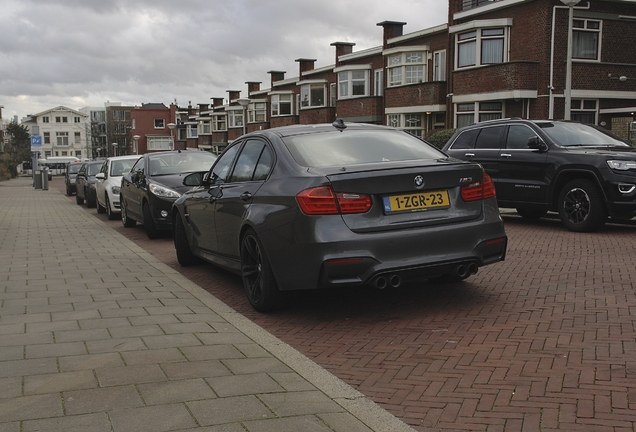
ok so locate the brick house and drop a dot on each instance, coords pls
(150, 123)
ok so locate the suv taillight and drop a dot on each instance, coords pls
(479, 190)
(323, 201)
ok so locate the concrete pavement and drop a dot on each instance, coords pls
(98, 335)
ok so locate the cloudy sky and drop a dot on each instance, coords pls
(80, 53)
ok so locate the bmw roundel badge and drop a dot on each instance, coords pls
(419, 181)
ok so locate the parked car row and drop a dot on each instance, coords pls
(308, 207)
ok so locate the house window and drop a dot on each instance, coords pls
(282, 104)
(205, 127)
(47, 137)
(45, 119)
(378, 82)
(583, 111)
(257, 112)
(439, 65)
(412, 123)
(61, 138)
(159, 143)
(481, 47)
(159, 123)
(406, 68)
(59, 119)
(192, 131)
(119, 115)
(219, 123)
(333, 94)
(182, 134)
(76, 119)
(236, 118)
(484, 111)
(313, 95)
(586, 35)
(353, 83)
(78, 138)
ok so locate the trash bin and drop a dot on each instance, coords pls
(37, 179)
(45, 178)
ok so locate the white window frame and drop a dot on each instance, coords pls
(439, 65)
(61, 138)
(161, 142)
(478, 112)
(77, 119)
(476, 34)
(413, 123)
(192, 130)
(257, 112)
(308, 94)
(205, 127)
(584, 106)
(378, 82)
(78, 137)
(236, 119)
(45, 119)
(586, 26)
(219, 122)
(408, 66)
(333, 94)
(279, 99)
(158, 123)
(349, 83)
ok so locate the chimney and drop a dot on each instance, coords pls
(217, 101)
(253, 86)
(203, 107)
(391, 29)
(276, 76)
(342, 48)
(234, 94)
(305, 65)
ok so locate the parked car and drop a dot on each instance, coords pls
(108, 183)
(154, 183)
(85, 183)
(317, 206)
(583, 172)
(72, 169)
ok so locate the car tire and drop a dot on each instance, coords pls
(185, 257)
(109, 210)
(91, 200)
(258, 279)
(68, 191)
(125, 220)
(531, 213)
(149, 223)
(581, 206)
(78, 199)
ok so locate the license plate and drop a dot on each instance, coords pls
(416, 202)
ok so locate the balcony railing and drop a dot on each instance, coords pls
(471, 4)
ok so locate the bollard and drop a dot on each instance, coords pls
(45, 178)
(37, 179)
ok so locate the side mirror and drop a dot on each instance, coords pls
(100, 176)
(134, 177)
(537, 143)
(194, 179)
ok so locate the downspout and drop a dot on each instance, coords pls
(551, 85)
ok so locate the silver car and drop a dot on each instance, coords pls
(109, 182)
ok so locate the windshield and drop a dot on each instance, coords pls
(74, 168)
(93, 169)
(180, 162)
(577, 134)
(358, 147)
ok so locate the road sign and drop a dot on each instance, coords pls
(36, 141)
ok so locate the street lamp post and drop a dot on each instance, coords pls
(136, 141)
(114, 149)
(171, 126)
(568, 62)
(244, 102)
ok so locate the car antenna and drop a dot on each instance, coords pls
(339, 124)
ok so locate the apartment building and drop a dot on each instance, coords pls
(64, 132)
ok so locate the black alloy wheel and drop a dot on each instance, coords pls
(581, 206)
(258, 279)
(78, 199)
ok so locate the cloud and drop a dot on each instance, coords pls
(86, 52)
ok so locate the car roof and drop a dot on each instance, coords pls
(284, 131)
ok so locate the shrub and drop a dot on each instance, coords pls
(440, 138)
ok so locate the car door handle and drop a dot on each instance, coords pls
(246, 196)
(469, 155)
(506, 155)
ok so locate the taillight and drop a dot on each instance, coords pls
(323, 201)
(479, 190)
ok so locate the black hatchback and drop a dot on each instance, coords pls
(153, 183)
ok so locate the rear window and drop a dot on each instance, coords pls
(353, 147)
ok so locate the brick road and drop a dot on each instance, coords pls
(543, 341)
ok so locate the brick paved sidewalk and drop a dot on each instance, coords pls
(97, 335)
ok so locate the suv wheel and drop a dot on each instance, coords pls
(581, 206)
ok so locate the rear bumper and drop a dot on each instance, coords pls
(332, 255)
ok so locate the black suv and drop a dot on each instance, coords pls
(583, 172)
